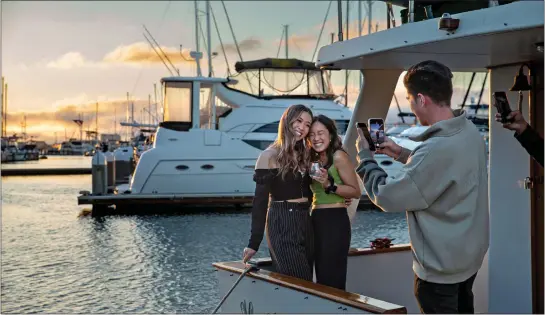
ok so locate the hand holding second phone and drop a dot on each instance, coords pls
(322, 177)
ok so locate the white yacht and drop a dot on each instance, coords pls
(504, 40)
(214, 128)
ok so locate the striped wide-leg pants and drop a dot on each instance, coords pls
(291, 239)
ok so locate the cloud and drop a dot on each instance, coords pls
(82, 98)
(72, 60)
(304, 41)
(248, 44)
(135, 54)
(140, 52)
(44, 124)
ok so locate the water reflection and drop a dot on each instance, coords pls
(53, 261)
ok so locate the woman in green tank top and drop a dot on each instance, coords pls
(334, 182)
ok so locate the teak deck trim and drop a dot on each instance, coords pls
(365, 303)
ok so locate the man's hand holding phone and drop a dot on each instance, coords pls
(389, 148)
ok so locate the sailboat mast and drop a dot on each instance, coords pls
(3, 111)
(96, 122)
(370, 16)
(197, 29)
(360, 26)
(155, 101)
(346, 71)
(209, 38)
(287, 53)
(127, 118)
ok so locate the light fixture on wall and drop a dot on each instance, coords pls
(521, 84)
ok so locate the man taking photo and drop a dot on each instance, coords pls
(443, 187)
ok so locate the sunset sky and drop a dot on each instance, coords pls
(60, 58)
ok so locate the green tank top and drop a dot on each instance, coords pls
(320, 197)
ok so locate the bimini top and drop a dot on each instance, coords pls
(275, 63)
(499, 35)
(193, 79)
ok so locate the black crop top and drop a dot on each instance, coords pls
(270, 182)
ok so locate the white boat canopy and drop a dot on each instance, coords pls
(500, 37)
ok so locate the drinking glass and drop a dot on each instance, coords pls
(314, 169)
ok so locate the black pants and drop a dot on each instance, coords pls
(437, 298)
(332, 234)
(290, 239)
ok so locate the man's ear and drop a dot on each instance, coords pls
(420, 100)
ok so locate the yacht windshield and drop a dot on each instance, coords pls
(275, 82)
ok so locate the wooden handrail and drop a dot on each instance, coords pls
(364, 303)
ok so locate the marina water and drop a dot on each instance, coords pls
(55, 261)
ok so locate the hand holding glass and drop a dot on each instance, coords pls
(314, 169)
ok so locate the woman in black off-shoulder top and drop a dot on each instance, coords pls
(281, 175)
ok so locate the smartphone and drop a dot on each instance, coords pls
(367, 135)
(502, 106)
(376, 129)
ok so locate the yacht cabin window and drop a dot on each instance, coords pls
(275, 83)
(177, 102)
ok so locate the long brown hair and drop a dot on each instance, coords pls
(291, 154)
(335, 143)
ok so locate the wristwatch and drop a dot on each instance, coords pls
(332, 188)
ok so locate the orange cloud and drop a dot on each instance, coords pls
(248, 44)
(43, 125)
(141, 52)
(72, 60)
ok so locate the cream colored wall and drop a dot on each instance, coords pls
(510, 283)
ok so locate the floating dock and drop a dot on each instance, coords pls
(44, 171)
(130, 204)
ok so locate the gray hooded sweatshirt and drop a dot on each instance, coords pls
(443, 187)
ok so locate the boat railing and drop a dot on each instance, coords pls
(298, 295)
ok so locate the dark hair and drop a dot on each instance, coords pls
(334, 145)
(432, 79)
(292, 154)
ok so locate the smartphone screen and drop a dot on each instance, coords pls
(367, 135)
(502, 105)
(376, 129)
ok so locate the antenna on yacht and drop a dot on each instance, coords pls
(157, 53)
(196, 55)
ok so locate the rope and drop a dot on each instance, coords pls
(235, 39)
(149, 49)
(280, 44)
(221, 42)
(321, 31)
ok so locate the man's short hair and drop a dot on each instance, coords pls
(430, 78)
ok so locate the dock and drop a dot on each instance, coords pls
(44, 171)
(138, 204)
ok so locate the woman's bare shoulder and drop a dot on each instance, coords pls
(267, 159)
